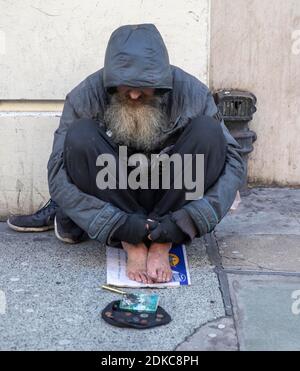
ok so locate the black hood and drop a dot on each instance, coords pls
(136, 55)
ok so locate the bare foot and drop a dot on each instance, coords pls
(158, 266)
(136, 268)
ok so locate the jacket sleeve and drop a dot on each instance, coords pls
(208, 211)
(96, 217)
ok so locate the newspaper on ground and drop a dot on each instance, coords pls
(116, 269)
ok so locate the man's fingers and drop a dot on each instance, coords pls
(151, 224)
(155, 233)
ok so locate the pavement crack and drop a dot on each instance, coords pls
(195, 331)
(215, 258)
(43, 12)
(262, 267)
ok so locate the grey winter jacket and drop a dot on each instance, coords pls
(137, 56)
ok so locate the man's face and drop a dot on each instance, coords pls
(135, 95)
(135, 117)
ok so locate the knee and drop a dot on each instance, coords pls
(81, 134)
(206, 130)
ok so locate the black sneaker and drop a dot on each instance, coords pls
(40, 221)
(66, 230)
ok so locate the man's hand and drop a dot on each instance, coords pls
(166, 230)
(133, 230)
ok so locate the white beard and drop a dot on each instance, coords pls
(138, 126)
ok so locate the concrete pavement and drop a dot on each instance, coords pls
(53, 299)
(244, 296)
(256, 250)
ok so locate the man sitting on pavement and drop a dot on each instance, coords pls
(140, 101)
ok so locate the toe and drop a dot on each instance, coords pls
(160, 275)
(138, 277)
(147, 277)
(131, 276)
(150, 280)
(144, 277)
(166, 277)
(152, 273)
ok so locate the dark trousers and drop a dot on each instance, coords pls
(86, 140)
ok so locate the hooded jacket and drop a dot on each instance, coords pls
(137, 56)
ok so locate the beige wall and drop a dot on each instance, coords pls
(24, 150)
(255, 45)
(48, 47)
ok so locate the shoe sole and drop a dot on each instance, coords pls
(29, 229)
(65, 240)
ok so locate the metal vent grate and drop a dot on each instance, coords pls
(235, 105)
